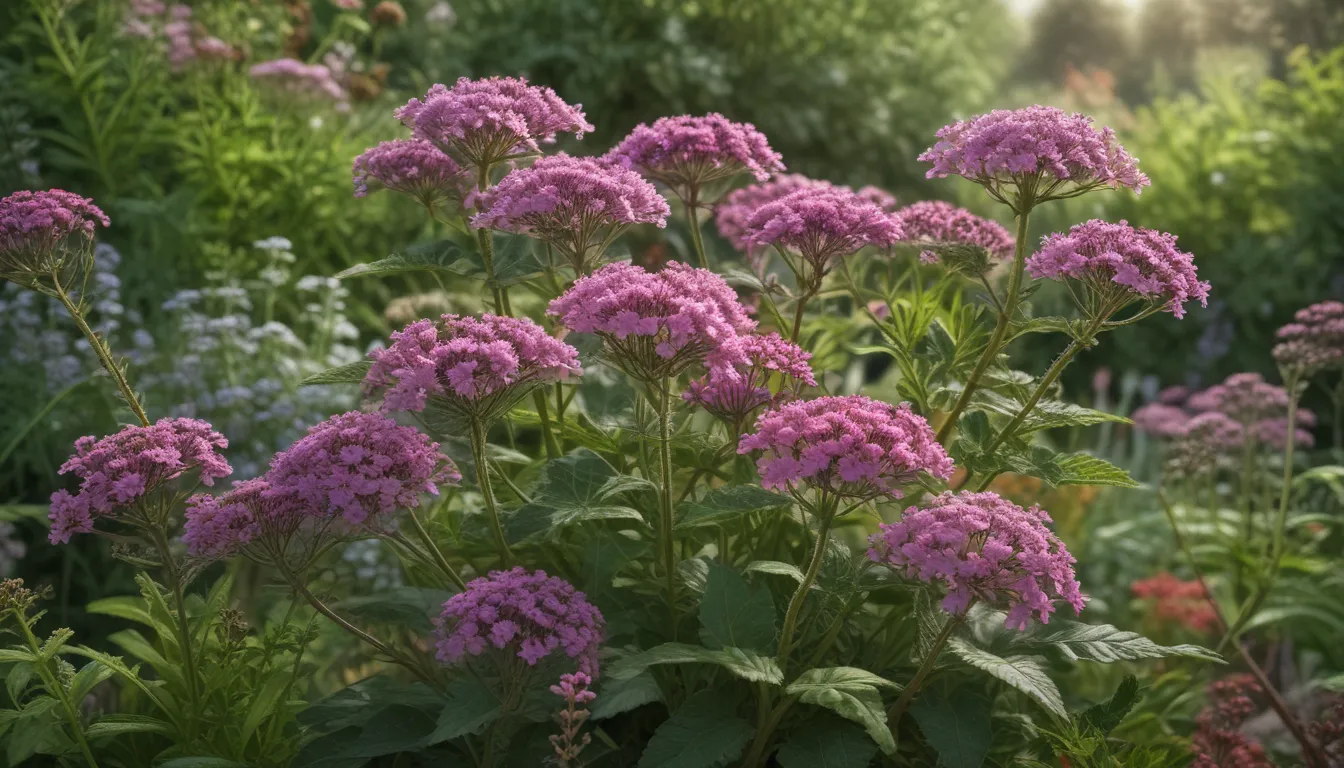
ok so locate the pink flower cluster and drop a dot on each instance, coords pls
(983, 547)
(1180, 602)
(1145, 264)
(469, 359)
(935, 221)
(413, 167)
(1160, 420)
(1314, 341)
(296, 79)
(218, 527)
(117, 471)
(362, 467)
(575, 689)
(578, 205)
(1218, 741)
(775, 371)
(686, 151)
(531, 614)
(1038, 149)
(821, 224)
(851, 446)
(33, 225)
(150, 19)
(732, 213)
(879, 197)
(1215, 421)
(656, 324)
(1257, 406)
(483, 122)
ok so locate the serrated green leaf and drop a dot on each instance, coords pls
(90, 675)
(1046, 414)
(20, 675)
(745, 664)
(733, 614)
(350, 373)
(956, 725)
(851, 693)
(1085, 469)
(471, 706)
(573, 489)
(440, 256)
(109, 726)
(1025, 673)
(827, 742)
(55, 642)
(705, 732)
(728, 503)
(1105, 643)
(617, 696)
(1107, 716)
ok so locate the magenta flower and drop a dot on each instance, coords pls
(413, 167)
(1039, 153)
(1314, 341)
(578, 205)
(983, 547)
(775, 372)
(940, 223)
(118, 471)
(851, 446)
(820, 224)
(485, 122)
(298, 80)
(1160, 420)
(245, 518)
(528, 615)
(686, 152)
(1260, 410)
(1117, 264)
(40, 231)
(478, 367)
(362, 467)
(657, 324)
(731, 213)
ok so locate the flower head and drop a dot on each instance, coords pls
(983, 547)
(851, 446)
(484, 122)
(937, 222)
(657, 324)
(117, 471)
(296, 79)
(775, 371)
(686, 152)
(1184, 603)
(879, 197)
(1246, 398)
(220, 526)
(1160, 420)
(362, 467)
(732, 213)
(1040, 153)
(821, 224)
(413, 167)
(1314, 341)
(1203, 444)
(478, 366)
(578, 205)
(1118, 264)
(529, 615)
(45, 232)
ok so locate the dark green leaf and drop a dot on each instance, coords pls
(744, 664)
(734, 614)
(1105, 643)
(728, 503)
(956, 725)
(201, 762)
(705, 732)
(440, 256)
(851, 693)
(412, 607)
(574, 489)
(470, 708)
(1107, 715)
(827, 742)
(617, 696)
(1025, 673)
(350, 373)
(116, 725)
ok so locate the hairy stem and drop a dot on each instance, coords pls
(55, 688)
(903, 703)
(101, 350)
(189, 671)
(825, 517)
(378, 645)
(478, 446)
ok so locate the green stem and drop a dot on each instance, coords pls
(439, 559)
(693, 218)
(478, 445)
(101, 350)
(996, 340)
(903, 703)
(184, 639)
(665, 504)
(340, 621)
(1048, 380)
(544, 415)
(825, 516)
(55, 688)
(798, 315)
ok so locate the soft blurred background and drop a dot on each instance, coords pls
(232, 205)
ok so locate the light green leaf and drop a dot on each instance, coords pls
(827, 742)
(1105, 643)
(956, 726)
(728, 503)
(734, 614)
(776, 568)
(471, 706)
(11, 655)
(115, 725)
(1085, 469)
(745, 664)
(263, 703)
(350, 373)
(851, 693)
(441, 256)
(1025, 673)
(90, 675)
(123, 607)
(1047, 414)
(705, 732)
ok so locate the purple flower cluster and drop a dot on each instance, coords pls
(1218, 420)
(578, 205)
(483, 122)
(820, 224)
(656, 324)
(1143, 263)
(935, 221)
(531, 614)
(685, 152)
(732, 213)
(879, 197)
(362, 467)
(1042, 151)
(1243, 397)
(1314, 341)
(35, 227)
(467, 360)
(775, 371)
(852, 446)
(296, 79)
(221, 526)
(413, 167)
(1160, 420)
(117, 471)
(983, 547)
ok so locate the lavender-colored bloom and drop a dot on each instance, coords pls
(657, 324)
(732, 213)
(686, 152)
(1040, 153)
(1314, 341)
(117, 471)
(413, 167)
(1160, 420)
(1207, 440)
(218, 527)
(528, 615)
(1119, 264)
(476, 366)
(1244, 397)
(821, 224)
(775, 373)
(362, 467)
(879, 197)
(851, 446)
(484, 122)
(938, 222)
(578, 205)
(983, 547)
(39, 231)
(295, 78)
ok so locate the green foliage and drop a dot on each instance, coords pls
(703, 733)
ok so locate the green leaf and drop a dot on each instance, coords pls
(11, 655)
(137, 646)
(728, 503)
(734, 614)
(55, 642)
(201, 762)
(350, 373)
(617, 696)
(956, 726)
(12, 513)
(1105, 643)
(1085, 469)
(440, 256)
(356, 704)
(776, 568)
(1025, 673)
(705, 732)
(123, 607)
(470, 708)
(16, 682)
(745, 664)
(1107, 716)
(412, 607)
(827, 742)
(108, 726)
(90, 675)
(1041, 325)
(573, 489)
(263, 703)
(851, 693)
